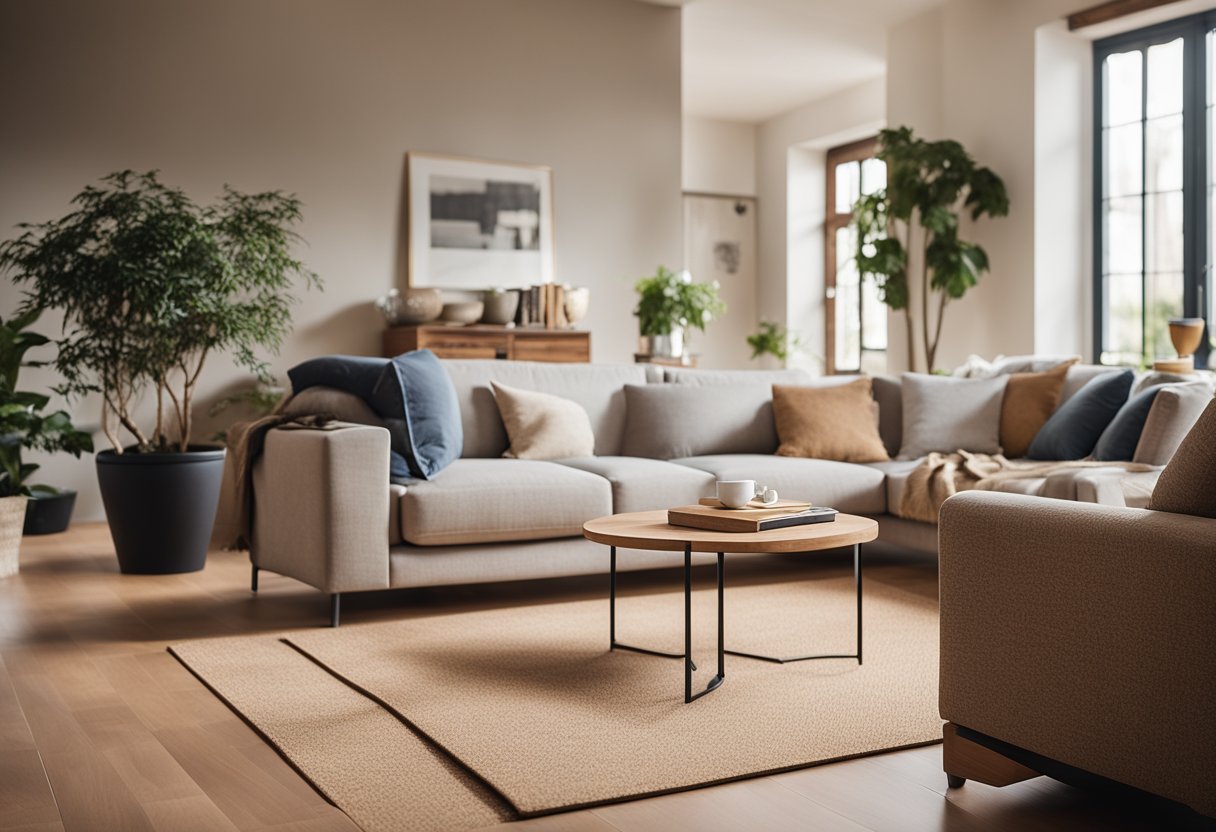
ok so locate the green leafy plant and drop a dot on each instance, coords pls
(773, 339)
(151, 284)
(929, 184)
(22, 423)
(667, 301)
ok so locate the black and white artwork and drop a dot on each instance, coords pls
(477, 225)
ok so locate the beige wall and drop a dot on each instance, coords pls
(323, 98)
(719, 156)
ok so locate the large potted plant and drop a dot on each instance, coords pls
(669, 304)
(151, 285)
(24, 426)
(929, 186)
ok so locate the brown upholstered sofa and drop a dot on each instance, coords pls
(1077, 641)
(325, 513)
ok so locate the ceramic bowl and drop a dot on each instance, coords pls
(500, 306)
(463, 312)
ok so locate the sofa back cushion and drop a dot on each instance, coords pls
(668, 421)
(793, 375)
(598, 388)
(889, 394)
(947, 414)
(1175, 410)
(1079, 375)
(1188, 483)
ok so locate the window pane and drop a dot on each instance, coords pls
(1122, 88)
(1163, 232)
(848, 303)
(1122, 342)
(1164, 295)
(1123, 160)
(1164, 79)
(873, 175)
(1163, 154)
(874, 318)
(848, 186)
(1122, 237)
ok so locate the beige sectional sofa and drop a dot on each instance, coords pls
(325, 513)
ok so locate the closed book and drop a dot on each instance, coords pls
(712, 519)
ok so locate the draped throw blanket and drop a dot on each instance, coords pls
(939, 476)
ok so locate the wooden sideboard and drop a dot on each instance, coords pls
(485, 341)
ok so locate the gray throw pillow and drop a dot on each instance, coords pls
(668, 421)
(947, 414)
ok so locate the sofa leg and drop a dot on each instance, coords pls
(965, 760)
(253, 580)
(335, 605)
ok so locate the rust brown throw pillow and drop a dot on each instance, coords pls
(1188, 483)
(835, 422)
(1030, 399)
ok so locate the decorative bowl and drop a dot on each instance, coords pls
(500, 306)
(462, 312)
(416, 306)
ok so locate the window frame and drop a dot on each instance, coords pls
(1193, 30)
(833, 221)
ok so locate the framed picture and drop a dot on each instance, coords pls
(475, 224)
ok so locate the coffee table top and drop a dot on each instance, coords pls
(650, 530)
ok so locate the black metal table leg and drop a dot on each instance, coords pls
(689, 667)
(613, 644)
(857, 655)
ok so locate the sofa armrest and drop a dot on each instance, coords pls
(1083, 633)
(321, 507)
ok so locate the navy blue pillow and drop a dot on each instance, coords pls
(1074, 429)
(355, 374)
(415, 398)
(1118, 442)
(352, 373)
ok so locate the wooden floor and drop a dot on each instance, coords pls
(101, 729)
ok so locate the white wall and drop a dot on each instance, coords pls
(324, 99)
(790, 168)
(719, 156)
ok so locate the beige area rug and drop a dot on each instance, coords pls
(404, 725)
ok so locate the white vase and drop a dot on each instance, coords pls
(663, 346)
(12, 518)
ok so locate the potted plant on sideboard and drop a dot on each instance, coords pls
(150, 285)
(24, 426)
(668, 305)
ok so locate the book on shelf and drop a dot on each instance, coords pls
(718, 519)
(542, 306)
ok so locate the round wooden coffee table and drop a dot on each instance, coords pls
(650, 530)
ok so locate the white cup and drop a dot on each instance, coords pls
(736, 493)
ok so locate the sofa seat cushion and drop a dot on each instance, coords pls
(646, 484)
(896, 472)
(498, 500)
(845, 486)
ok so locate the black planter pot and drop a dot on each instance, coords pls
(161, 507)
(49, 513)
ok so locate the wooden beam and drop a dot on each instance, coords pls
(1111, 10)
(965, 760)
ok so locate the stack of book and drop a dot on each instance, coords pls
(543, 307)
(712, 516)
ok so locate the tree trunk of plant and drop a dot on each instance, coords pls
(937, 334)
(924, 302)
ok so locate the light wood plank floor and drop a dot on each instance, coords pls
(101, 729)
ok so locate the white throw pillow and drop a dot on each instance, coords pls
(947, 414)
(543, 426)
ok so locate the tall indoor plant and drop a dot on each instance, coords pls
(668, 305)
(929, 185)
(150, 284)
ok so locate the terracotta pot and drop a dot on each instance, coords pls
(1187, 334)
(12, 518)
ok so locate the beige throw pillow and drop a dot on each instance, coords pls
(828, 422)
(543, 426)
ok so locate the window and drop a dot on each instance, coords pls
(1153, 191)
(856, 317)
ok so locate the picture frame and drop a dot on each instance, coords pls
(474, 224)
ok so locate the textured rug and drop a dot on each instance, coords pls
(460, 721)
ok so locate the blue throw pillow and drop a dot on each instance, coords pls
(1074, 429)
(416, 399)
(355, 374)
(351, 373)
(1118, 442)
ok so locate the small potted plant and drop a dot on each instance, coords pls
(151, 285)
(668, 305)
(773, 343)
